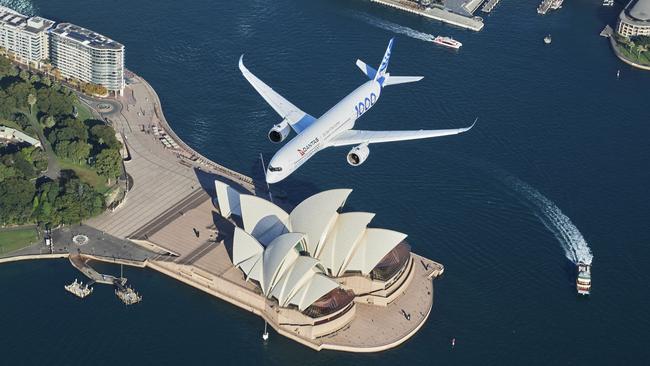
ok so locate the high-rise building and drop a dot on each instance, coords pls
(634, 20)
(25, 38)
(87, 56)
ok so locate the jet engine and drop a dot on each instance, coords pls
(279, 132)
(358, 155)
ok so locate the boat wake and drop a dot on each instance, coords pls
(393, 27)
(22, 6)
(575, 247)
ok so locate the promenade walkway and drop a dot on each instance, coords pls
(162, 179)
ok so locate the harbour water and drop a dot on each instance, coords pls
(553, 116)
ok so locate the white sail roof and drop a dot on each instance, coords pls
(374, 246)
(337, 242)
(263, 219)
(301, 272)
(342, 240)
(318, 286)
(278, 257)
(246, 253)
(228, 199)
(315, 216)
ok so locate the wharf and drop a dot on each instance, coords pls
(435, 12)
(81, 263)
(489, 6)
(546, 5)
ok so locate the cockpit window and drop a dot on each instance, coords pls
(275, 169)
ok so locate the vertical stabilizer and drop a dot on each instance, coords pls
(381, 71)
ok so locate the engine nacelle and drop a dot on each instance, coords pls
(358, 155)
(279, 132)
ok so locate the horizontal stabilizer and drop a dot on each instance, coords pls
(394, 80)
(368, 70)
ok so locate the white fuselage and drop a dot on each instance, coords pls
(317, 136)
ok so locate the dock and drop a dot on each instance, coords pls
(81, 263)
(547, 5)
(128, 295)
(436, 13)
(79, 289)
(489, 5)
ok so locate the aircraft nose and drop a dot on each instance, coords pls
(272, 177)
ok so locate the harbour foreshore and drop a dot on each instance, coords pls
(168, 202)
(440, 14)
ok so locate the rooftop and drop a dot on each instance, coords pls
(86, 37)
(33, 25)
(640, 10)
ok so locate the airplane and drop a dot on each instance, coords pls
(335, 127)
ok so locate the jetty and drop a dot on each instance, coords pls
(81, 263)
(436, 12)
(547, 5)
(489, 6)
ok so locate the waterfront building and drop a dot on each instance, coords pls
(315, 263)
(25, 39)
(634, 20)
(87, 56)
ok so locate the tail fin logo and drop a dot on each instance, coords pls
(384, 62)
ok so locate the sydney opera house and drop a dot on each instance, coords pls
(316, 264)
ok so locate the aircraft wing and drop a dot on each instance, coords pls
(298, 120)
(353, 137)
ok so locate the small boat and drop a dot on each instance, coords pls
(583, 282)
(548, 39)
(618, 74)
(447, 42)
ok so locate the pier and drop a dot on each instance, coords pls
(489, 6)
(81, 263)
(546, 5)
(436, 12)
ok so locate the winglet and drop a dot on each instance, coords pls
(470, 127)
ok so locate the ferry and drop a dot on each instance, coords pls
(583, 282)
(447, 42)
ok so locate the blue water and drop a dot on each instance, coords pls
(554, 117)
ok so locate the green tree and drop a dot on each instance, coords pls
(24, 75)
(6, 172)
(108, 163)
(104, 136)
(48, 121)
(16, 196)
(31, 100)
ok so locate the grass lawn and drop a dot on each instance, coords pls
(643, 58)
(87, 175)
(14, 239)
(83, 111)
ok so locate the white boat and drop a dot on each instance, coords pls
(583, 282)
(447, 42)
(548, 39)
